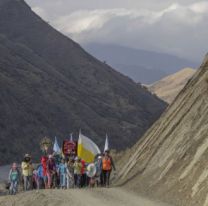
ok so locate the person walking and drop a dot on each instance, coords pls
(77, 172)
(44, 160)
(70, 174)
(27, 171)
(14, 177)
(83, 174)
(107, 165)
(98, 165)
(62, 170)
(51, 171)
(39, 177)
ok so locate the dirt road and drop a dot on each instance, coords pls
(83, 197)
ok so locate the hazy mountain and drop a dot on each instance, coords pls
(169, 87)
(142, 66)
(170, 161)
(51, 86)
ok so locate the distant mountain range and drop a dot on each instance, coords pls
(140, 65)
(51, 86)
(169, 87)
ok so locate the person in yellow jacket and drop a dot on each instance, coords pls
(77, 172)
(27, 172)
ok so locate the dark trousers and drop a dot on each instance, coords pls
(84, 180)
(77, 180)
(106, 177)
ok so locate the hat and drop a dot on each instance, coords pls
(27, 155)
(91, 170)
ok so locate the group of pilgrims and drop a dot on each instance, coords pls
(57, 170)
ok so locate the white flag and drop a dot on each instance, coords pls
(106, 144)
(56, 147)
(71, 137)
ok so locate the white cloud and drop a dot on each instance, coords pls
(200, 7)
(178, 28)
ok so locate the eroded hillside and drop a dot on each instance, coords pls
(170, 161)
(169, 87)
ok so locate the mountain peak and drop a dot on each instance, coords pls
(52, 87)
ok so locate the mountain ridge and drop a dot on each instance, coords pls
(141, 65)
(169, 87)
(52, 87)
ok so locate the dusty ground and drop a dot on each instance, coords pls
(83, 197)
(74, 197)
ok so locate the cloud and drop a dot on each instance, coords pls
(173, 27)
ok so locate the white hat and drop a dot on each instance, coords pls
(91, 170)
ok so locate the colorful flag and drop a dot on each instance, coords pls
(87, 149)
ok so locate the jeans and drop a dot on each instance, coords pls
(13, 187)
(106, 177)
(62, 180)
(77, 180)
(27, 182)
(69, 182)
(50, 177)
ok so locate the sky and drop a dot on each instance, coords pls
(169, 26)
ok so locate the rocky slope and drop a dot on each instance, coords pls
(170, 161)
(169, 87)
(51, 86)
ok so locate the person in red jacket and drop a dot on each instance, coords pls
(44, 160)
(107, 166)
(51, 171)
(83, 173)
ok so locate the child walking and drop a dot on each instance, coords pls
(14, 177)
(62, 173)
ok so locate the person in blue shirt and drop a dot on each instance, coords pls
(62, 170)
(98, 165)
(39, 177)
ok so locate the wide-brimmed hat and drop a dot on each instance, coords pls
(27, 156)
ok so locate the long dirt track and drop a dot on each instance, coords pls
(78, 197)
